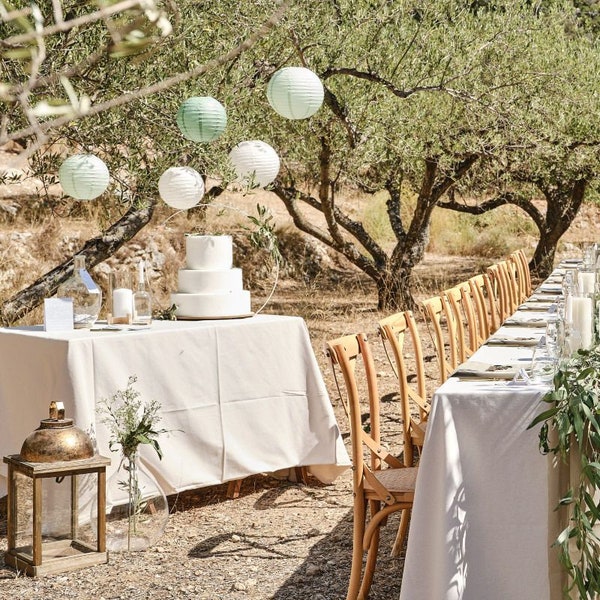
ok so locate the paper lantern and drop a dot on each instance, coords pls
(181, 187)
(201, 119)
(83, 176)
(255, 163)
(295, 92)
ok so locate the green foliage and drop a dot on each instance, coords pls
(263, 235)
(131, 421)
(375, 218)
(571, 425)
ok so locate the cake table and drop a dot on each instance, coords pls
(240, 396)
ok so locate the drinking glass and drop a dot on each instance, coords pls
(543, 365)
(552, 337)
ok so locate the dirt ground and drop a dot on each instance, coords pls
(278, 540)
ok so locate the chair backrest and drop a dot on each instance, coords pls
(460, 300)
(524, 275)
(511, 274)
(400, 332)
(345, 354)
(440, 317)
(502, 290)
(485, 306)
(477, 322)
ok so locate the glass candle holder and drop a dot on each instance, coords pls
(120, 297)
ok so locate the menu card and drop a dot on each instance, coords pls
(58, 314)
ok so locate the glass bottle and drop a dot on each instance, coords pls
(86, 295)
(142, 301)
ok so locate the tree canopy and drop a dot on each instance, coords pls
(459, 105)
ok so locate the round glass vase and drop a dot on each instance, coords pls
(136, 507)
(85, 293)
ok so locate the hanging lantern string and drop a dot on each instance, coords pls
(240, 211)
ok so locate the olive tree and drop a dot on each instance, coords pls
(453, 104)
(467, 110)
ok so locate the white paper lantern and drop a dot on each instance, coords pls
(255, 163)
(295, 92)
(201, 119)
(83, 176)
(181, 187)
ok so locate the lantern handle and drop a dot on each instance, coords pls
(57, 411)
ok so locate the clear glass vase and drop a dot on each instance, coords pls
(86, 295)
(136, 507)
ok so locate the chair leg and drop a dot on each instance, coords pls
(233, 489)
(371, 557)
(401, 534)
(408, 453)
(358, 529)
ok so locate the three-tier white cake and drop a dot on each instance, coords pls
(210, 286)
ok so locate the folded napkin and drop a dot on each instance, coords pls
(474, 369)
(525, 322)
(552, 288)
(505, 340)
(539, 306)
(544, 297)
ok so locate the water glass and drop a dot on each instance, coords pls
(552, 338)
(543, 365)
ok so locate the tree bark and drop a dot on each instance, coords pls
(394, 290)
(564, 201)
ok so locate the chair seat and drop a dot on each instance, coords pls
(399, 482)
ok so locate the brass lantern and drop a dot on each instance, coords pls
(54, 485)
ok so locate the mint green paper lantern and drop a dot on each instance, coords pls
(201, 119)
(295, 92)
(83, 176)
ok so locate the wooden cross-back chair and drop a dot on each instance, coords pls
(381, 484)
(439, 316)
(503, 288)
(493, 302)
(512, 276)
(400, 333)
(475, 313)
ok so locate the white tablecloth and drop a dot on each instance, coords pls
(482, 523)
(240, 396)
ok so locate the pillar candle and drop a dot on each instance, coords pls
(586, 281)
(583, 319)
(122, 302)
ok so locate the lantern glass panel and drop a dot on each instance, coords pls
(23, 517)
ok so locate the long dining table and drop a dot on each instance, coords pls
(483, 521)
(238, 396)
